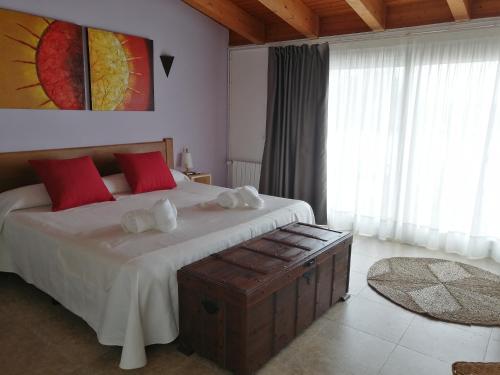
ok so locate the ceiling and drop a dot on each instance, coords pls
(262, 21)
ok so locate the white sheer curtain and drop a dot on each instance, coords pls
(414, 141)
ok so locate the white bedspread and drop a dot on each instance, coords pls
(124, 285)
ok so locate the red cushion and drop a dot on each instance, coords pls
(71, 182)
(146, 172)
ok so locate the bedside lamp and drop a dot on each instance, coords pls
(187, 160)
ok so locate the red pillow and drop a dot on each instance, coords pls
(146, 172)
(71, 182)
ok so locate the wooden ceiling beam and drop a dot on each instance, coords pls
(372, 12)
(296, 14)
(233, 17)
(460, 9)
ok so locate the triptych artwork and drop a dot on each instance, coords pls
(50, 64)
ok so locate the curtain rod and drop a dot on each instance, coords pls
(484, 23)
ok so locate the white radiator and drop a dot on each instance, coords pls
(244, 173)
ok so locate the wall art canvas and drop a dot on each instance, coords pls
(41, 63)
(121, 71)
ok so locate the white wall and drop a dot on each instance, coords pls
(247, 103)
(190, 105)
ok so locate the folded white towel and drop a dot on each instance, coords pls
(165, 215)
(251, 197)
(228, 199)
(162, 216)
(245, 196)
(137, 221)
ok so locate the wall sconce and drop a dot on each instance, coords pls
(167, 62)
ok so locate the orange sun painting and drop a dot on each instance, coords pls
(121, 73)
(41, 63)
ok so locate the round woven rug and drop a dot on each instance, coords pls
(445, 290)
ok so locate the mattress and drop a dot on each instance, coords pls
(124, 285)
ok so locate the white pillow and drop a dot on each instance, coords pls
(116, 183)
(178, 175)
(23, 197)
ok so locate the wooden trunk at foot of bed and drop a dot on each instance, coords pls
(243, 305)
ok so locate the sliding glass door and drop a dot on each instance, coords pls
(414, 140)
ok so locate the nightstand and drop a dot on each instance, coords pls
(202, 178)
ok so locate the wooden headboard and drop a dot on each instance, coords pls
(15, 170)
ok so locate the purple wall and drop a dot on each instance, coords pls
(191, 105)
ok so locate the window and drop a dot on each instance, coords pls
(414, 140)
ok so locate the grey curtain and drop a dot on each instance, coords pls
(294, 160)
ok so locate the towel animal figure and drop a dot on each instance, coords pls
(162, 216)
(246, 196)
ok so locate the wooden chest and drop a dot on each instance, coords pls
(243, 305)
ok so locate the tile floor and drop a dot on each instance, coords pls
(365, 335)
(370, 335)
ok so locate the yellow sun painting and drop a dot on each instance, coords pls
(120, 69)
(42, 66)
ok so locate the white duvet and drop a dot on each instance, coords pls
(124, 285)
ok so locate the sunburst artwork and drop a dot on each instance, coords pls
(41, 63)
(121, 73)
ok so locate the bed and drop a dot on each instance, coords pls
(124, 285)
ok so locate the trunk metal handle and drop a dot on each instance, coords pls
(309, 263)
(210, 307)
